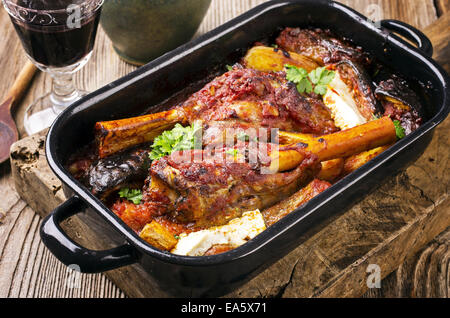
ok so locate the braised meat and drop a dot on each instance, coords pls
(260, 99)
(210, 192)
(239, 98)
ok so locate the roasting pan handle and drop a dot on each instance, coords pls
(74, 255)
(411, 33)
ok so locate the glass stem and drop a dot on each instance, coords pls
(63, 92)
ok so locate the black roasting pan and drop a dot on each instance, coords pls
(155, 82)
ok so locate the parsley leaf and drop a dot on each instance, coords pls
(304, 86)
(232, 152)
(295, 74)
(133, 195)
(229, 67)
(375, 116)
(178, 139)
(314, 75)
(320, 89)
(320, 77)
(399, 130)
(242, 136)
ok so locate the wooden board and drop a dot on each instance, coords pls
(312, 269)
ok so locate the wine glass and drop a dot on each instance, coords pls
(58, 37)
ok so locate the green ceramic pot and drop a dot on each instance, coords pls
(142, 30)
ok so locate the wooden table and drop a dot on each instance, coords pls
(27, 269)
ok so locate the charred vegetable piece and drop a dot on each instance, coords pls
(285, 207)
(320, 46)
(331, 169)
(158, 236)
(357, 161)
(269, 59)
(400, 103)
(119, 171)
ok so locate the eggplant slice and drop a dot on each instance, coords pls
(400, 102)
(108, 175)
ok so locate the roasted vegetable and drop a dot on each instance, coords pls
(108, 175)
(268, 59)
(348, 142)
(286, 206)
(158, 236)
(331, 170)
(320, 46)
(400, 103)
(355, 162)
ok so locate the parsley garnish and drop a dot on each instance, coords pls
(399, 130)
(178, 139)
(133, 195)
(232, 152)
(320, 77)
(375, 117)
(229, 67)
(242, 136)
(299, 76)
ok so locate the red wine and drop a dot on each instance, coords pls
(56, 44)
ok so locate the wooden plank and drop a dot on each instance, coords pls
(36, 271)
(442, 6)
(440, 32)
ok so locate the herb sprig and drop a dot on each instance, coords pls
(232, 152)
(399, 130)
(178, 139)
(133, 195)
(304, 81)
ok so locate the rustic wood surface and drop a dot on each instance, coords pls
(27, 269)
